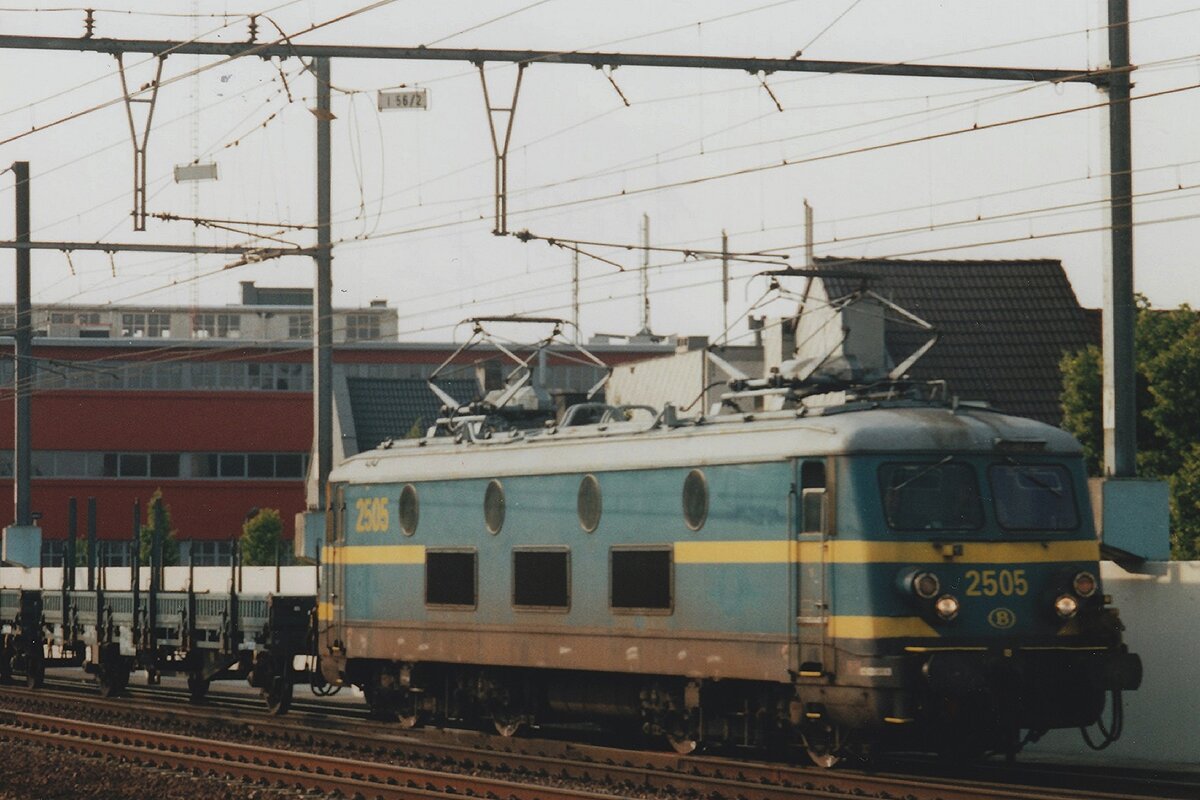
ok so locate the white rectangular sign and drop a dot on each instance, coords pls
(195, 172)
(403, 99)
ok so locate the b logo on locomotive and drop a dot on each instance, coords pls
(1001, 618)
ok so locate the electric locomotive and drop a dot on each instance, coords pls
(891, 570)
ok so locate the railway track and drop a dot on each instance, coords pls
(389, 762)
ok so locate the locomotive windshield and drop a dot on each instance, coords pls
(941, 496)
(1034, 497)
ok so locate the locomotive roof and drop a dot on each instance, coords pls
(725, 439)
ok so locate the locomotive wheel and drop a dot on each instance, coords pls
(824, 747)
(823, 758)
(197, 687)
(506, 728)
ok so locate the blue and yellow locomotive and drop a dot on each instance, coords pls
(890, 570)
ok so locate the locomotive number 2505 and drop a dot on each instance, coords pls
(372, 514)
(991, 582)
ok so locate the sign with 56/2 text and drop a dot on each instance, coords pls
(403, 99)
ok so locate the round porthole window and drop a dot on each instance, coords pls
(589, 503)
(695, 499)
(493, 507)
(410, 510)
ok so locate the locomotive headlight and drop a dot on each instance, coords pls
(926, 585)
(1066, 606)
(1084, 584)
(947, 607)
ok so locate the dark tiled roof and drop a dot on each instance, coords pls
(387, 408)
(1004, 325)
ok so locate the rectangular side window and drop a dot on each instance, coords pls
(812, 497)
(450, 578)
(640, 580)
(541, 579)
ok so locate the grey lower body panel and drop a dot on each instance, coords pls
(697, 655)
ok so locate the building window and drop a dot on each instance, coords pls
(164, 465)
(89, 318)
(208, 554)
(299, 326)
(220, 326)
(232, 465)
(131, 465)
(62, 318)
(289, 465)
(362, 327)
(251, 465)
(450, 578)
(112, 554)
(137, 326)
(542, 579)
(133, 325)
(94, 464)
(53, 553)
(158, 326)
(640, 579)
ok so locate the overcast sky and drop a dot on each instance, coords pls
(412, 189)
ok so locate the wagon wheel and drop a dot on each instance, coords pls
(681, 732)
(683, 744)
(197, 687)
(407, 714)
(278, 689)
(35, 667)
(112, 678)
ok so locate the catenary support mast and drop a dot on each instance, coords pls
(23, 357)
(1119, 410)
(323, 297)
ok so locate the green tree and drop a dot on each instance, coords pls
(262, 538)
(1081, 403)
(170, 546)
(1185, 507)
(1167, 395)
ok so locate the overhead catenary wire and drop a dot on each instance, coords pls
(713, 282)
(181, 346)
(895, 254)
(114, 73)
(249, 51)
(783, 163)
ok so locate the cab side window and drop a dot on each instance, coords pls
(812, 497)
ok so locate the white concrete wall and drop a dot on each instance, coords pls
(1161, 611)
